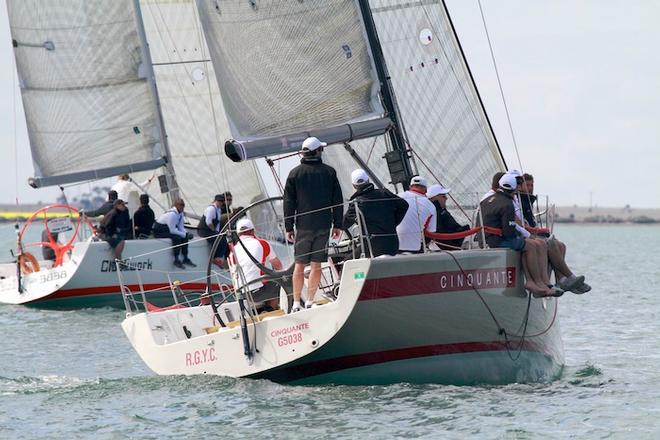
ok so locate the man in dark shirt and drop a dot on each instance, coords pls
(105, 208)
(498, 212)
(116, 227)
(313, 203)
(437, 194)
(381, 211)
(143, 219)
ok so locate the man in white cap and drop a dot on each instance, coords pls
(261, 291)
(314, 205)
(497, 211)
(437, 194)
(381, 211)
(421, 216)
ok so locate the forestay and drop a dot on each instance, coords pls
(289, 67)
(192, 108)
(89, 109)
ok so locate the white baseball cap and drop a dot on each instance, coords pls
(244, 225)
(508, 182)
(418, 180)
(515, 173)
(359, 177)
(312, 144)
(436, 190)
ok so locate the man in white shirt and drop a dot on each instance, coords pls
(129, 192)
(260, 249)
(170, 225)
(421, 216)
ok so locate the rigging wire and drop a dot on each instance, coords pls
(499, 83)
(500, 329)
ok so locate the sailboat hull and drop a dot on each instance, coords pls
(89, 278)
(459, 318)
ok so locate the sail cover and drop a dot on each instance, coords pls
(192, 108)
(288, 67)
(439, 105)
(89, 109)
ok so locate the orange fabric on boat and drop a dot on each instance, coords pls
(451, 235)
(153, 308)
(28, 263)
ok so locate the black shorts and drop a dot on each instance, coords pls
(114, 241)
(311, 246)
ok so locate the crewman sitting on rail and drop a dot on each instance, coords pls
(116, 227)
(170, 225)
(566, 279)
(498, 212)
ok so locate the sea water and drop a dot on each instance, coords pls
(73, 374)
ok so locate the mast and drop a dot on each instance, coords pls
(398, 160)
(172, 188)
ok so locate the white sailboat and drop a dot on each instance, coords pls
(87, 73)
(387, 79)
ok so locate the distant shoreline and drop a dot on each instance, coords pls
(564, 214)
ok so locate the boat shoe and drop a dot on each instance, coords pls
(571, 282)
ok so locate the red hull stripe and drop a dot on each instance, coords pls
(438, 282)
(314, 368)
(103, 290)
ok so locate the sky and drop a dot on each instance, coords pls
(581, 79)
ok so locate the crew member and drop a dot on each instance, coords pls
(116, 228)
(437, 194)
(421, 216)
(498, 212)
(381, 211)
(144, 218)
(170, 225)
(209, 228)
(262, 292)
(313, 203)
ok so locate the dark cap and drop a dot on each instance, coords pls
(222, 197)
(118, 202)
(144, 198)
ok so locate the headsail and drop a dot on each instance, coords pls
(288, 67)
(439, 105)
(89, 109)
(192, 108)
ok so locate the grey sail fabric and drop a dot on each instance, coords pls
(287, 67)
(192, 108)
(89, 110)
(438, 102)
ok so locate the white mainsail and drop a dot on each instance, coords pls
(89, 109)
(192, 108)
(288, 67)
